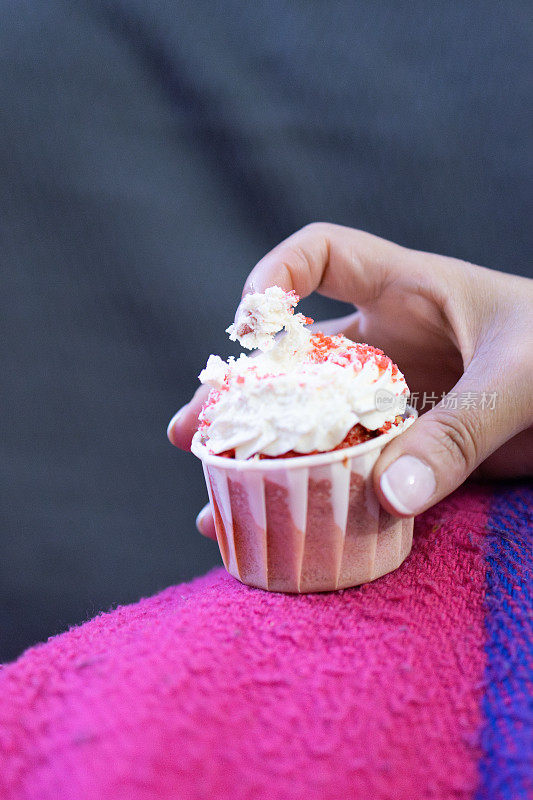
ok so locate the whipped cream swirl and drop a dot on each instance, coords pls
(302, 391)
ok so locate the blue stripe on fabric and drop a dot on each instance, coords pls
(506, 767)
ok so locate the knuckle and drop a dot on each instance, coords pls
(297, 256)
(296, 261)
(459, 437)
(316, 227)
(293, 263)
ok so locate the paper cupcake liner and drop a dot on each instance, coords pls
(305, 524)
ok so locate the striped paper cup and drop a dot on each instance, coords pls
(305, 524)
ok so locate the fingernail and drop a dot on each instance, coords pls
(201, 519)
(408, 484)
(175, 419)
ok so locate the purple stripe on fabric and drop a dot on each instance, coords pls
(506, 768)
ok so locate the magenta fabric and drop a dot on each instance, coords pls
(216, 691)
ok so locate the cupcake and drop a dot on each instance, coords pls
(288, 438)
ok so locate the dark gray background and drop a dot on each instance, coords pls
(150, 153)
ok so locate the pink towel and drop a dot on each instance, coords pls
(215, 691)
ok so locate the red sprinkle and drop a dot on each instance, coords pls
(212, 399)
(294, 298)
(323, 346)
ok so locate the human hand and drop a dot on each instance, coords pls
(451, 326)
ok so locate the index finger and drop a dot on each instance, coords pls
(338, 262)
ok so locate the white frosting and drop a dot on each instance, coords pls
(280, 399)
(261, 316)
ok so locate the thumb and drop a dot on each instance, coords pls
(438, 452)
